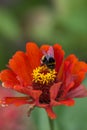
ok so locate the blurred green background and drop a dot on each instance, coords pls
(48, 21)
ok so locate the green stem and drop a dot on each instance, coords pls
(51, 123)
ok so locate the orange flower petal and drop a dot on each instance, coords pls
(50, 112)
(35, 94)
(8, 78)
(15, 100)
(34, 54)
(72, 59)
(29, 91)
(59, 55)
(44, 48)
(67, 67)
(80, 66)
(54, 90)
(66, 89)
(78, 92)
(80, 69)
(67, 102)
(21, 67)
(73, 70)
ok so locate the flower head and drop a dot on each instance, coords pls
(45, 77)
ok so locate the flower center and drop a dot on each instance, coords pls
(44, 75)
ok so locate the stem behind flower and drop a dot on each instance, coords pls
(51, 123)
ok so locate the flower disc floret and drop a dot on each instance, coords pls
(43, 75)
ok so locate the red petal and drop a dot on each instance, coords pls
(44, 48)
(34, 54)
(21, 67)
(54, 90)
(66, 89)
(67, 102)
(73, 70)
(80, 69)
(71, 58)
(50, 112)
(80, 66)
(59, 55)
(35, 94)
(8, 78)
(15, 100)
(68, 66)
(78, 92)
(28, 90)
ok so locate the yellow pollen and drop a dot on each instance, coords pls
(43, 75)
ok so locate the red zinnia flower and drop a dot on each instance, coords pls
(45, 77)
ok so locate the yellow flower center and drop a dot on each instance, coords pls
(43, 75)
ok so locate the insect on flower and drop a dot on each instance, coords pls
(47, 80)
(48, 59)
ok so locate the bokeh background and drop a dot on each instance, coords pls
(43, 21)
